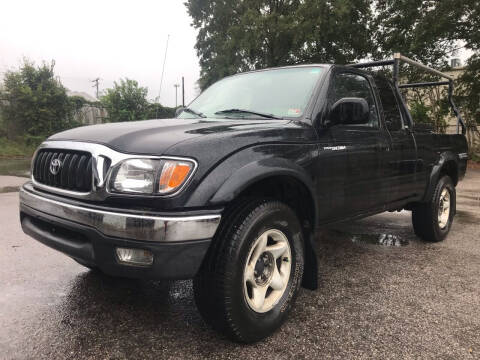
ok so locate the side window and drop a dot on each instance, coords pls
(353, 85)
(391, 111)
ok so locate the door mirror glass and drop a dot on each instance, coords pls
(350, 111)
(179, 110)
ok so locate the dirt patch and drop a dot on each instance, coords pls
(473, 165)
(8, 189)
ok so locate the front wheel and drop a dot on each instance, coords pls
(251, 275)
(432, 220)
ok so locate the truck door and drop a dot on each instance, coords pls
(360, 149)
(401, 161)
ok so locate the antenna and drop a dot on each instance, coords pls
(163, 68)
(161, 79)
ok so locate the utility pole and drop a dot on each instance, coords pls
(183, 92)
(176, 89)
(96, 81)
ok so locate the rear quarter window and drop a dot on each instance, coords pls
(391, 110)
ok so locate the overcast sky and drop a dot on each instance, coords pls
(106, 39)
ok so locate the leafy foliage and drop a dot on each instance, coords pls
(127, 101)
(157, 111)
(235, 36)
(415, 28)
(419, 112)
(252, 34)
(34, 103)
(468, 98)
(469, 91)
(430, 31)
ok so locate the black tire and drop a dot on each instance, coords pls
(425, 216)
(219, 285)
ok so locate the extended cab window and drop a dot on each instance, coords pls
(353, 85)
(391, 111)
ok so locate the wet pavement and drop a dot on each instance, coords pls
(376, 299)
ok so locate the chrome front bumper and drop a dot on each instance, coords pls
(127, 225)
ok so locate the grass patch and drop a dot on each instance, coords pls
(16, 148)
(475, 157)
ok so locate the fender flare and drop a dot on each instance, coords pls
(256, 171)
(445, 157)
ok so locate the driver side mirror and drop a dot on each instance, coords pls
(349, 111)
(179, 110)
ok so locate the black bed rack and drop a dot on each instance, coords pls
(399, 58)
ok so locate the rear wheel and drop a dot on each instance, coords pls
(251, 275)
(432, 220)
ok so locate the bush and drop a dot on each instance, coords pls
(17, 147)
(34, 102)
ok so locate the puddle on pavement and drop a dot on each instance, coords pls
(379, 239)
(466, 217)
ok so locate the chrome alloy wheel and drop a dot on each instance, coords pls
(267, 271)
(444, 209)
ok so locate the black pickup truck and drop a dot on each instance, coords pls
(230, 192)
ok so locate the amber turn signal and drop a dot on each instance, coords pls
(173, 175)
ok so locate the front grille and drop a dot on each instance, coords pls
(75, 169)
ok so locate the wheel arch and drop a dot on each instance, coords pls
(446, 165)
(285, 181)
(268, 177)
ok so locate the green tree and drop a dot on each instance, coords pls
(34, 103)
(126, 101)
(419, 112)
(415, 28)
(468, 99)
(430, 31)
(469, 92)
(252, 34)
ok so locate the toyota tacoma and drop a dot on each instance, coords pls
(230, 192)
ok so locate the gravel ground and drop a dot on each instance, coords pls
(412, 301)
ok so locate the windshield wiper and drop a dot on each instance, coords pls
(186, 109)
(237, 111)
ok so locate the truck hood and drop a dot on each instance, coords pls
(186, 136)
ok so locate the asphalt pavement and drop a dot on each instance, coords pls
(383, 294)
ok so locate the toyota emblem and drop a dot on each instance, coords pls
(55, 166)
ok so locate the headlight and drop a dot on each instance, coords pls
(151, 176)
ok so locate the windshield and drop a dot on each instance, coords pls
(264, 94)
